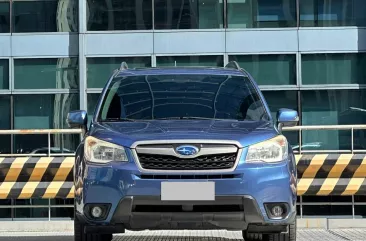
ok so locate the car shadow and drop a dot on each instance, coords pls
(172, 238)
(122, 238)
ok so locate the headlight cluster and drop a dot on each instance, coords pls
(99, 151)
(273, 150)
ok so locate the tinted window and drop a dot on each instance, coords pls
(339, 68)
(202, 60)
(100, 69)
(119, 15)
(261, 13)
(47, 111)
(327, 13)
(269, 69)
(4, 74)
(176, 96)
(52, 73)
(45, 16)
(334, 107)
(4, 16)
(187, 14)
(5, 124)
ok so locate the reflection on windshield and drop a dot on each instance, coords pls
(182, 96)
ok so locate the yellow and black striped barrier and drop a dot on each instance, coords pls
(52, 177)
(331, 174)
(36, 177)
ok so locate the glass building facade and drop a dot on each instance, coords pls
(56, 55)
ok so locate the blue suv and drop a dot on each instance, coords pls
(184, 148)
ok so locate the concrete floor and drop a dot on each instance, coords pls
(303, 235)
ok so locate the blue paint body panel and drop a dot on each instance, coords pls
(110, 183)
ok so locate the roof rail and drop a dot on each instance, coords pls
(123, 66)
(233, 65)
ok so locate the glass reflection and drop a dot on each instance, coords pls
(62, 73)
(269, 69)
(187, 14)
(44, 112)
(119, 15)
(333, 107)
(215, 61)
(261, 13)
(336, 68)
(45, 16)
(4, 16)
(4, 74)
(325, 13)
(100, 69)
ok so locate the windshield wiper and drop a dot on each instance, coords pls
(118, 120)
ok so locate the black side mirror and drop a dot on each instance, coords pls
(77, 119)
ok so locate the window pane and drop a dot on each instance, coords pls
(31, 213)
(324, 13)
(100, 69)
(55, 73)
(4, 17)
(43, 112)
(187, 14)
(119, 15)
(216, 61)
(45, 16)
(5, 212)
(62, 201)
(333, 68)
(269, 69)
(4, 73)
(261, 13)
(92, 103)
(333, 107)
(5, 140)
(283, 99)
(62, 213)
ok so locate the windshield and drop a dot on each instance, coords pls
(147, 97)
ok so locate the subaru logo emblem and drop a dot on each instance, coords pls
(187, 150)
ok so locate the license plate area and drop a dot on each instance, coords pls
(188, 191)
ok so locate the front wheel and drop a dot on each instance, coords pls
(290, 236)
(80, 235)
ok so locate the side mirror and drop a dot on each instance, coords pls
(77, 119)
(287, 118)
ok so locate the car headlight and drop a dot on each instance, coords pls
(99, 151)
(273, 150)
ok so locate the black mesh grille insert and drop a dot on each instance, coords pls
(207, 162)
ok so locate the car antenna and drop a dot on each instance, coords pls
(123, 66)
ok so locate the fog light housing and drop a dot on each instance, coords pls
(96, 212)
(277, 210)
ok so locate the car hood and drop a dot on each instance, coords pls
(127, 133)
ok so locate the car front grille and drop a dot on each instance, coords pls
(160, 162)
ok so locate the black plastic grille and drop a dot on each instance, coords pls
(208, 162)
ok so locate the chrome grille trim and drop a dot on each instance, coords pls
(204, 151)
(136, 149)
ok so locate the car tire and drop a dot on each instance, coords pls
(80, 235)
(290, 236)
(252, 236)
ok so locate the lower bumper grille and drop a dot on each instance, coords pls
(206, 162)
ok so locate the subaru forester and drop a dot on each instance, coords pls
(178, 148)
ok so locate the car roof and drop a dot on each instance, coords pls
(180, 70)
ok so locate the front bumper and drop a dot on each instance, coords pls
(149, 212)
(123, 186)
